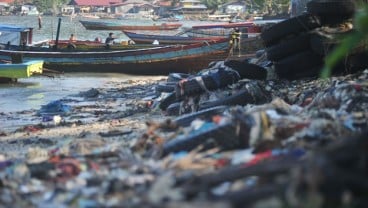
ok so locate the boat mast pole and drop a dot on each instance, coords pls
(52, 29)
(57, 34)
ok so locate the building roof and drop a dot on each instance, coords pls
(7, 1)
(164, 3)
(94, 2)
(135, 2)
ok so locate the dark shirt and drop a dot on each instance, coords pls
(109, 40)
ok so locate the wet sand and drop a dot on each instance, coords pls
(23, 98)
(116, 104)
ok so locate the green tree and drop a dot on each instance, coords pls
(272, 7)
(44, 5)
(213, 4)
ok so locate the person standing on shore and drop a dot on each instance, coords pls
(39, 22)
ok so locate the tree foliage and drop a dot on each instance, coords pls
(213, 4)
(45, 5)
(266, 7)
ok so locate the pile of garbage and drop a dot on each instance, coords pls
(275, 143)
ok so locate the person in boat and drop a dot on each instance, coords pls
(24, 44)
(98, 39)
(71, 44)
(109, 40)
(8, 45)
(72, 38)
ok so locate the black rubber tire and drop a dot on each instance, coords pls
(173, 109)
(247, 70)
(260, 53)
(300, 63)
(176, 77)
(333, 20)
(177, 109)
(242, 97)
(224, 136)
(345, 8)
(332, 12)
(289, 47)
(192, 87)
(165, 87)
(292, 26)
(206, 114)
(171, 98)
(322, 43)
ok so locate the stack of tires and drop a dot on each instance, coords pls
(297, 46)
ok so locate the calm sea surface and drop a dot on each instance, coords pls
(33, 92)
(72, 25)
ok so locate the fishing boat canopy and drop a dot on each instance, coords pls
(15, 35)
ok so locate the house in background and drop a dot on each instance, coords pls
(233, 8)
(191, 9)
(29, 9)
(88, 6)
(5, 7)
(165, 8)
(67, 10)
(135, 9)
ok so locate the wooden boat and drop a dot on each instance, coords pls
(91, 16)
(99, 25)
(219, 18)
(225, 25)
(10, 71)
(165, 39)
(87, 45)
(248, 29)
(160, 60)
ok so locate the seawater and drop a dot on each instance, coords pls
(33, 92)
(67, 26)
(73, 26)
